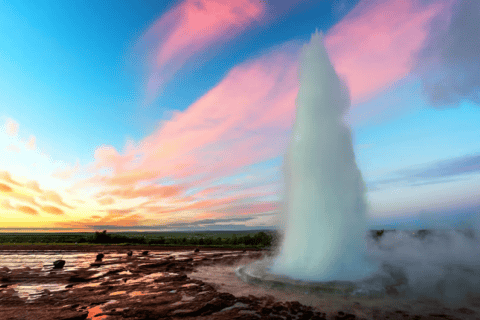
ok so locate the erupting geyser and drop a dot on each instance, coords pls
(324, 218)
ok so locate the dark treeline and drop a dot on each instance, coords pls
(215, 238)
(260, 239)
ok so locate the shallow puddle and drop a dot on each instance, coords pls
(31, 291)
(31, 264)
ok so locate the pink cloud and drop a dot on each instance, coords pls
(241, 121)
(190, 27)
(373, 46)
(246, 118)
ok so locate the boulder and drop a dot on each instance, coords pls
(196, 250)
(58, 264)
(99, 257)
(129, 253)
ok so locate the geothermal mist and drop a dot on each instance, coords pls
(324, 214)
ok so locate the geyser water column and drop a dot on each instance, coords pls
(324, 218)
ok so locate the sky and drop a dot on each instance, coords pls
(176, 115)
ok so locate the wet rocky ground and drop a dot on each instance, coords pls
(163, 283)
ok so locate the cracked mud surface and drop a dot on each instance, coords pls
(171, 283)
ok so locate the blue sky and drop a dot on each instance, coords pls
(176, 114)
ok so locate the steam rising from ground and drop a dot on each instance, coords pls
(444, 265)
(324, 224)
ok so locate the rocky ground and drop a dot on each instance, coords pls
(151, 286)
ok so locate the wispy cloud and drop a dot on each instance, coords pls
(377, 41)
(95, 222)
(33, 185)
(54, 197)
(67, 173)
(433, 173)
(106, 201)
(5, 188)
(53, 210)
(6, 204)
(148, 191)
(27, 210)
(189, 28)
(5, 176)
(209, 138)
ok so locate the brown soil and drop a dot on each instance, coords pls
(141, 287)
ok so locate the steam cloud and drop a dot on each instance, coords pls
(449, 63)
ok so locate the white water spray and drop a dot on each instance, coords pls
(325, 222)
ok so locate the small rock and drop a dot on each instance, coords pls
(58, 264)
(196, 250)
(99, 257)
(129, 253)
(145, 252)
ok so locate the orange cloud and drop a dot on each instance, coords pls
(106, 201)
(148, 191)
(27, 210)
(66, 173)
(30, 145)
(377, 41)
(33, 185)
(5, 176)
(53, 210)
(187, 205)
(189, 28)
(128, 221)
(6, 204)
(54, 197)
(117, 212)
(24, 198)
(11, 127)
(208, 191)
(5, 188)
